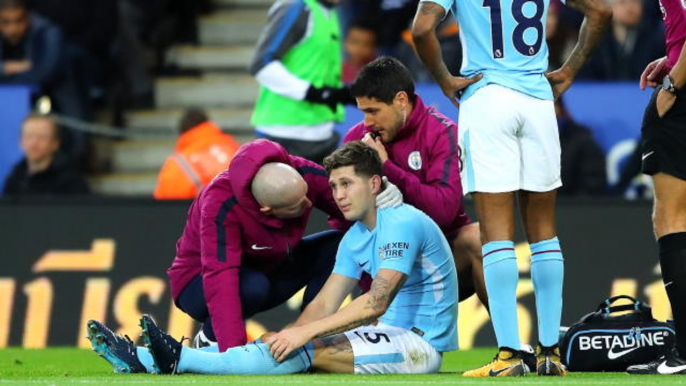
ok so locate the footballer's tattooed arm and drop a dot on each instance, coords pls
(363, 310)
(598, 15)
(384, 288)
(426, 19)
(370, 306)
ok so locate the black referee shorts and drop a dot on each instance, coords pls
(663, 140)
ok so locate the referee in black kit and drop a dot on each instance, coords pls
(664, 158)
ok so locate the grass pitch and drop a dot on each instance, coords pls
(69, 366)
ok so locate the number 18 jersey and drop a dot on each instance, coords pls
(505, 41)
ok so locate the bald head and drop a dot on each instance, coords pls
(278, 188)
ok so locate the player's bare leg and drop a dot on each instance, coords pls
(496, 222)
(538, 215)
(466, 248)
(547, 273)
(669, 211)
(496, 215)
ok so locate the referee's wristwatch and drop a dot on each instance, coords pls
(668, 84)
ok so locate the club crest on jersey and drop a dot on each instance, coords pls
(414, 160)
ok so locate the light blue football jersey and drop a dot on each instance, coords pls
(505, 41)
(407, 240)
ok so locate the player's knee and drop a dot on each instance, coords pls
(468, 243)
(541, 231)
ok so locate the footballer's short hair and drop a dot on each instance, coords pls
(382, 79)
(361, 157)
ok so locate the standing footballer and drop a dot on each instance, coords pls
(664, 158)
(510, 140)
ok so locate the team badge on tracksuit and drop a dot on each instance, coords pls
(414, 160)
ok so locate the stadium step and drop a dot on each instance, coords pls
(148, 155)
(225, 90)
(232, 121)
(132, 185)
(140, 156)
(211, 58)
(232, 27)
(206, 91)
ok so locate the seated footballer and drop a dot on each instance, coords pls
(404, 324)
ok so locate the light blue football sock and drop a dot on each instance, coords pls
(547, 273)
(251, 359)
(146, 358)
(501, 275)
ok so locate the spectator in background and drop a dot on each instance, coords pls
(583, 161)
(361, 45)
(397, 16)
(351, 10)
(89, 28)
(43, 170)
(202, 151)
(298, 66)
(32, 51)
(30, 46)
(633, 43)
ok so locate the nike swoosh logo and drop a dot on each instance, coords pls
(664, 369)
(611, 355)
(496, 373)
(255, 247)
(646, 155)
